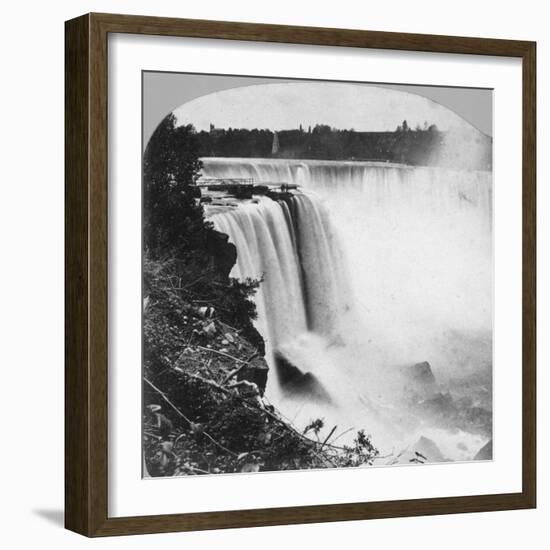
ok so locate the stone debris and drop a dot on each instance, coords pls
(210, 329)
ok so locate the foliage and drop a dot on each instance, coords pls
(199, 418)
(229, 430)
(361, 452)
(315, 426)
(173, 219)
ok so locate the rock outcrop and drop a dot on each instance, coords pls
(486, 452)
(428, 448)
(419, 374)
(295, 381)
(223, 253)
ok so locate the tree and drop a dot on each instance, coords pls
(179, 242)
(171, 166)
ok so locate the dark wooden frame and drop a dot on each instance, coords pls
(86, 274)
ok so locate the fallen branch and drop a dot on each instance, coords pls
(379, 457)
(207, 367)
(194, 469)
(327, 438)
(224, 354)
(234, 372)
(245, 383)
(188, 420)
(274, 417)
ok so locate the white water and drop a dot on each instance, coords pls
(373, 265)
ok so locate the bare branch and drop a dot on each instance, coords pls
(327, 438)
(224, 354)
(234, 372)
(274, 417)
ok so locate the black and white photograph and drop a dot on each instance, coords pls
(274, 275)
(317, 274)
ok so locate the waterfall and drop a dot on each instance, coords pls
(293, 247)
(266, 249)
(381, 184)
(368, 265)
(418, 239)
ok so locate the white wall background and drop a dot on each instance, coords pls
(31, 305)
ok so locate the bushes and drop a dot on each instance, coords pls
(218, 428)
(173, 222)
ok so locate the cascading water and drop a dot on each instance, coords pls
(290, 245)
(367, 266)
(266, 248)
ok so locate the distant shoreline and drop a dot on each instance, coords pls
(338, 162)
(416, 147)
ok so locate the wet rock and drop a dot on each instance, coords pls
(420, 374)
(424, 451)
(441, 405)
(486, 452)
(428, 448)
(223, 253)
(294, 381)
(256, 372)
(194, 191)
(157, 422)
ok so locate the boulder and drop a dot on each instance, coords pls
(194, 191)
(294, 381)
(424, 451)
(440, 405)
(420, 373)
(428, 448)
(486, 452)
(210, 330)
(256, 371)
(223, 253)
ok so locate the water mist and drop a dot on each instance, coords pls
(366, 269)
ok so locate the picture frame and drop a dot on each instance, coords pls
(87, 274)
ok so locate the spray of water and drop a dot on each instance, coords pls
(369, 267)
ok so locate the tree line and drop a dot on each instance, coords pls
(403, 145)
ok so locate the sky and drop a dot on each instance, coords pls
(280, 106)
